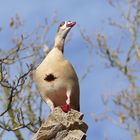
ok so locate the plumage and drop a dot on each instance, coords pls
(55, 77)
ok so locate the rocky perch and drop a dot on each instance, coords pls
(62, 126)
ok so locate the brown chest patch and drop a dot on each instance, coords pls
(50, 78)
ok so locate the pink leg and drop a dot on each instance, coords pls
(66, 107)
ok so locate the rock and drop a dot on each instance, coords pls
(62, 126)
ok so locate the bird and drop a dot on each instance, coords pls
(55, 77)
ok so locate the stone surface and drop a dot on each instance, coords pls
(62, 126)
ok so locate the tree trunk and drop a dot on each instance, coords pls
(62, 126)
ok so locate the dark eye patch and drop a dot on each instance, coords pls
(62, 23)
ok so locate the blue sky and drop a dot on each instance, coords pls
(90, 15)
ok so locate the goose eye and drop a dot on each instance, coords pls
(62, 23)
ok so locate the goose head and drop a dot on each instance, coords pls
(61, 34)
(64, 28)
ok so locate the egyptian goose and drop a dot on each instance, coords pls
(55, 77)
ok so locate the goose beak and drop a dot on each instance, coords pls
(71, 24)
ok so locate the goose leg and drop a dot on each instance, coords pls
(66, 107)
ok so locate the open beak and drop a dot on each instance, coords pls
(71, 24)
